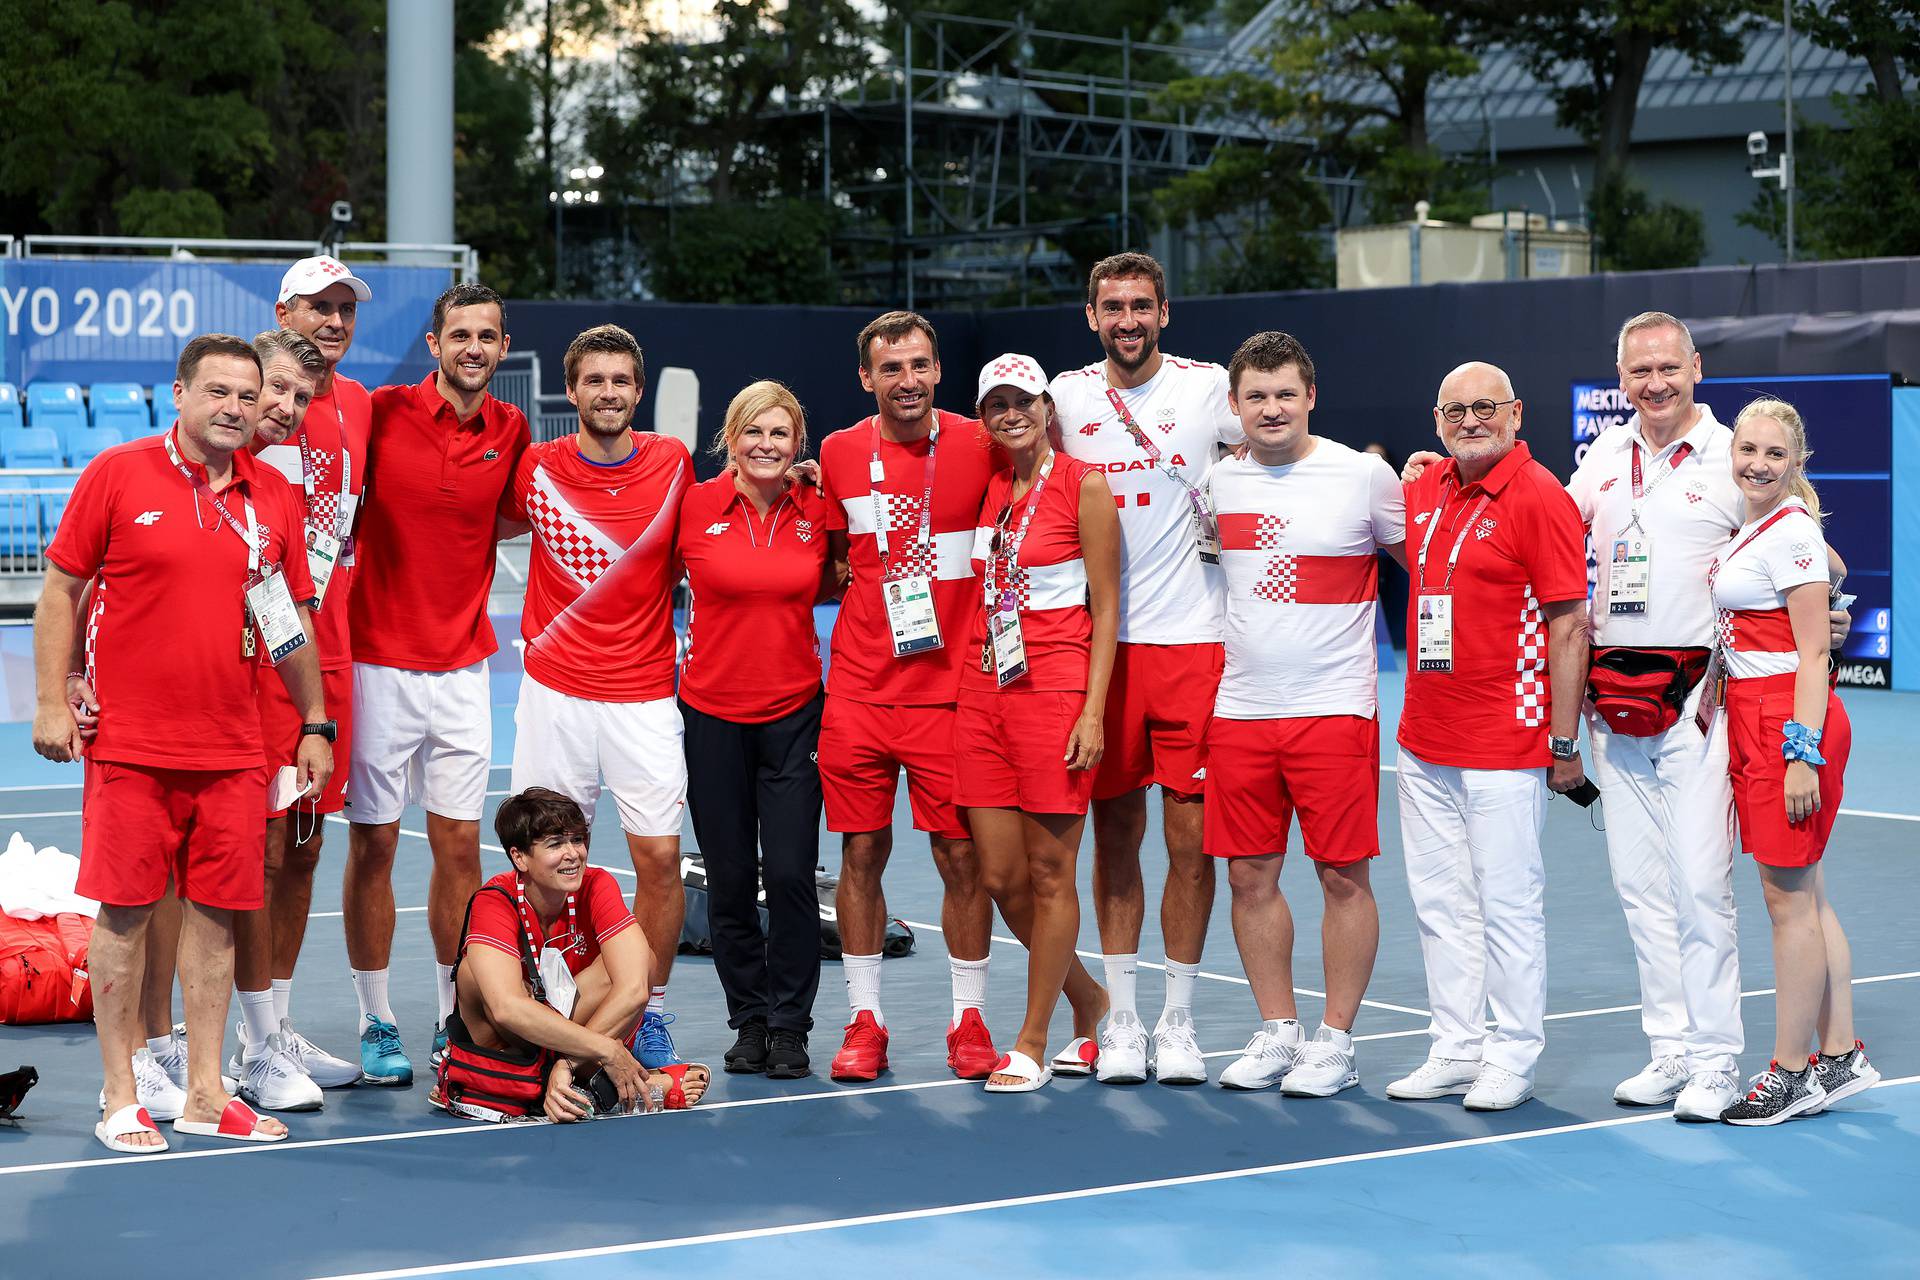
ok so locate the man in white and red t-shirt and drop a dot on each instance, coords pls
(597, 697)
(1499, 658)
(1155, 423)
(1296, 725)
(903, 492)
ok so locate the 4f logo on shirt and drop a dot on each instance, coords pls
(1608, 483)
(717, 528)
(148, 517)
(1422, 517)
(1487, 525)
(1092, 428)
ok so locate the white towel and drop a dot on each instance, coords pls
(39, 882)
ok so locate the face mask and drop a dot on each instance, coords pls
(562, 991)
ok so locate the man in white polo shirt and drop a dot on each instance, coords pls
(1155, 424)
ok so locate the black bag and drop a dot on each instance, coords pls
(696, 936)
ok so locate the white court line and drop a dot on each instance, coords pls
(335, 915)
(1014, 1202)
(1744, 995)
(48, 813)
(47, 786)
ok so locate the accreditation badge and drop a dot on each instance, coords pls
(1206, 536)
(1629, 573)
(323, 554)
(1433, 632)
(270, 604)
(910, 614)
(1006, 648)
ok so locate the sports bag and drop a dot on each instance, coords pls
(43, 969)
(1640, 692)
(696, 935)
(493, 1084)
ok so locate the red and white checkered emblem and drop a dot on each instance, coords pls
(1486, 527)
(1012, 367)
(1281, 579)
(1693, 497)
(1804, 562)
(562, 540)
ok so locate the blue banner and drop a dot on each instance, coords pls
(86, 321)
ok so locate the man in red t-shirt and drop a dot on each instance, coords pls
(596, 699)
(895, 673)
(1498, 659)
(197, 551)
(443, 454)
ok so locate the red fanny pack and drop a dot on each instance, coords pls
(493, 1084)
(1640, 692)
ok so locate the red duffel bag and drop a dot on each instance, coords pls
(43, 969)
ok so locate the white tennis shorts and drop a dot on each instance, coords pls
(421, 737)
(570, 744)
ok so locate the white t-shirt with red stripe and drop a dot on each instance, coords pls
(1751, 577)
(1167, 596)
(1297, 545)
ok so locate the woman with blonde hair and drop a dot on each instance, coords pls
(755, 549)
(1788, 739)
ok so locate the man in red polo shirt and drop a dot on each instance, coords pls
(895, 674)
(1499, 658)
(198, 552)
(597, 696)
(443, 454)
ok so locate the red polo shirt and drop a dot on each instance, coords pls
(425, 546)
(1525, 548)
(752, 652)
(165, 625)
(599, 912)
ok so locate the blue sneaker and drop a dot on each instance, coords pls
(652, 1045)
(439, 1047)
(383, 1059)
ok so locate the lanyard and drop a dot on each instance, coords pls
(773, 522)
(1012, 545)
(1155, 458)
(1639, 493)
(249, 533)
(1713, 570)
(309, 475)
(1453, 559)
(526, 919)
(877, 475)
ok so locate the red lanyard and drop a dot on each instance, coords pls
(1673, 465)
(1010, 546)
(1433, 523)
(526, 919)
(249, 533)
(310, 474)
(877, 476)
(1713, 570)
(1148, 447)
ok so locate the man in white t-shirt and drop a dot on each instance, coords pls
(1296, 724)
(1155, 423)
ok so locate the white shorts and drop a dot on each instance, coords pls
(422, 737)
(569, 744)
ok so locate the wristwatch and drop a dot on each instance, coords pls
(1563, 748)
(328, 729)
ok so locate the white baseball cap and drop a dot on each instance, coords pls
(1012, 370)
(310, 275)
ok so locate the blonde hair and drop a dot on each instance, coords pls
(1796, 428)
(1651, 320)
(753, 400)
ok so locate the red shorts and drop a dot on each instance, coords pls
(1010, 748)
(1158, 706)
(1757, 711)
(1325, 768)
(863, 747)
(280, 728)
(205, 828)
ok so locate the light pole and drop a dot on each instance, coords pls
(569, 189)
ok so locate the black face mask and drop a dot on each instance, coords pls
(13, 1088)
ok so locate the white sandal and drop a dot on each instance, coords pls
(1077, 1059)
(238, 1122)
(1031, 1075)
(114, 1131)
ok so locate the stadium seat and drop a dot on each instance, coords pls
(55, 492)
(30, 447)
(90, 444)
(120, 405)
(72, 436)
(162, 406)
(11, 414)
(19, 517)
(52, 402)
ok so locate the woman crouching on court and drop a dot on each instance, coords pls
(754, 543)
(550, 984)
(1788, 739)
(1033, 687)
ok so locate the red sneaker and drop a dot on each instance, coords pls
(863, 1054)
(970, 1050)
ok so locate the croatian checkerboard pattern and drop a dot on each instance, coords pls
(1530, 686)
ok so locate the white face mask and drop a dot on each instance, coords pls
(562, 991)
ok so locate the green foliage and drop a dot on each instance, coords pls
(1637, 233)
(745, 254)
(1850, 203)
(144, 211)
(1885, 33)
(1268, 212)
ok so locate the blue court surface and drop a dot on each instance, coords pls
(921, 1175)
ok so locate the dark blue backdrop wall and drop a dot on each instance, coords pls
(1381, 352)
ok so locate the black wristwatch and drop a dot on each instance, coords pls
(1562, 748)
(328, 729)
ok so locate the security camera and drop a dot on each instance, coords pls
(1756, 144)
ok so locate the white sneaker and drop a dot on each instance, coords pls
(1435, 1078)
(173, 1061)
(1271, 1053)
(273, 1081)
(1325, 1068)
(163, 1099)
(1123, 1050)
(1658, 1083)
(1707, 1095)
(1176, 1050)
(1497, 1089)
(321, 1067)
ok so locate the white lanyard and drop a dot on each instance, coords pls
(877, 475)
(250, 533)
(773, 524)
(1453, 559)
(1006, 600)
(309, 475)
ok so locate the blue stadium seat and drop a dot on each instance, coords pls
(11, 414)
(19, 517)
(55, 493)
(120, 405)
(51, 402)
(30, 447)
(162, 406)
(90, 444)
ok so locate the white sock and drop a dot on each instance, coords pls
(370, 989)
(1342, 1040)
(657, 1000)
(256, 1021)
(863, 985)
(1120, 973)
(443, 987)
(282, 999)
(1180, 979)
(969, 985)
(161, 1045)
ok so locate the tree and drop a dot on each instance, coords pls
(1265, 209)
(1885, 33)
(1634, 232)
(1845, 205)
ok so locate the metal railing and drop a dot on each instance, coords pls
(31, 500)
(517, 381)
(458, 258)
